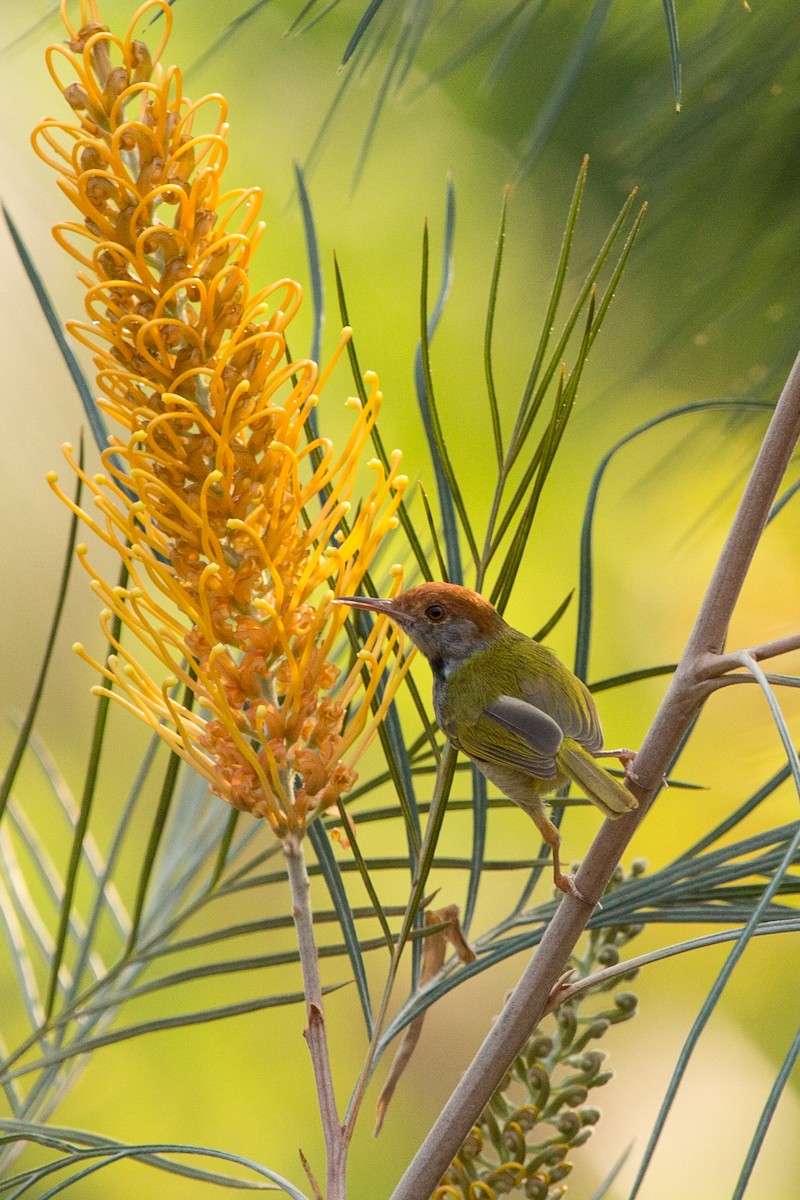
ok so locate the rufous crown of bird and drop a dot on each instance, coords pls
(509, 704)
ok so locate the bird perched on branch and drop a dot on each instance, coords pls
(526, 722)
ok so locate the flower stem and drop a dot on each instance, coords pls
(315, 1033)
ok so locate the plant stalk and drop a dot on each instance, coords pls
(685, 694)
(315, 1032)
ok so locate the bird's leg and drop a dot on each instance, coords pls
(564, 883)
(626, 759)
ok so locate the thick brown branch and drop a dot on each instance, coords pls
(684, 696)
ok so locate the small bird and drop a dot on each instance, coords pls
(526, 722)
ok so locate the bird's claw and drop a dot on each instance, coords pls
(626, 760)
(567, 885)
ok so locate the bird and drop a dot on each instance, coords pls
(509, 704)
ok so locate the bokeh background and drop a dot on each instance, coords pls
(707, 309)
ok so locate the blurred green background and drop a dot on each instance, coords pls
(708, 308)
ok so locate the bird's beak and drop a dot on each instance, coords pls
(366, 602)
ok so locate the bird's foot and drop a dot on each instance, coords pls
(567, 885)
(626, 759)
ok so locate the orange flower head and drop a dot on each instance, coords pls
(232, 520)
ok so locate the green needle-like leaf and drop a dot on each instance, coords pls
(450, 497)
(551, 623)
(776, 879)
(93, 415)
(159, 1024)
(565, 85)
(315, 272)
(488, 336)
(336, 890)
(443, 574)
(24, 734)
(409, 528)
(156, 834)
(479, 810)
(75, 1144)
(765, 1119)
(674, 48)
(586, 584)
(360, 29)
(87, 799)
(526, 412)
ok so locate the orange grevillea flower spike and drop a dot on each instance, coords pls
(235, 524)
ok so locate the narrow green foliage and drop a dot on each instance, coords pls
(530, 403)
(614, 681)
(226, 35)
(444, 781)
(224, 848)
(674, 48)
(430, 408)
(480, 805)
(76, 1145)
(443, 575)
(333, 879)
(605, 1187)
(403, 32)
(776, 878)
(586, 570)
(541, 376)
(488, 336)
(781, 1079)
(409, 528)
(25, 729)
(82, 825)
(315, 273)
(366, 878)
(361, 29)
(551, 623)
(157, 831)
(93, 414)
(449, 503)
(562, 90)
(505, 518)
(89, 1044)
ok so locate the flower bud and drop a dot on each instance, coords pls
(608, 956)
(567, 1024)
(626, 1004)
(573, 1096)
(505, 1179)
(559, 1172)
(473, 1143)
(568, 1124)
(536, 1188)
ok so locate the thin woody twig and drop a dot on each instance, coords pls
(566, 989)
(733, 677)
(726, 662)
(686, 692)
(315, 1033)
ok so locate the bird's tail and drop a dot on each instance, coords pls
(610, 796)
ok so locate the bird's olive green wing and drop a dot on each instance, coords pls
(553, 688)
(512, 733)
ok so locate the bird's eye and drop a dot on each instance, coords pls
(435, 612)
